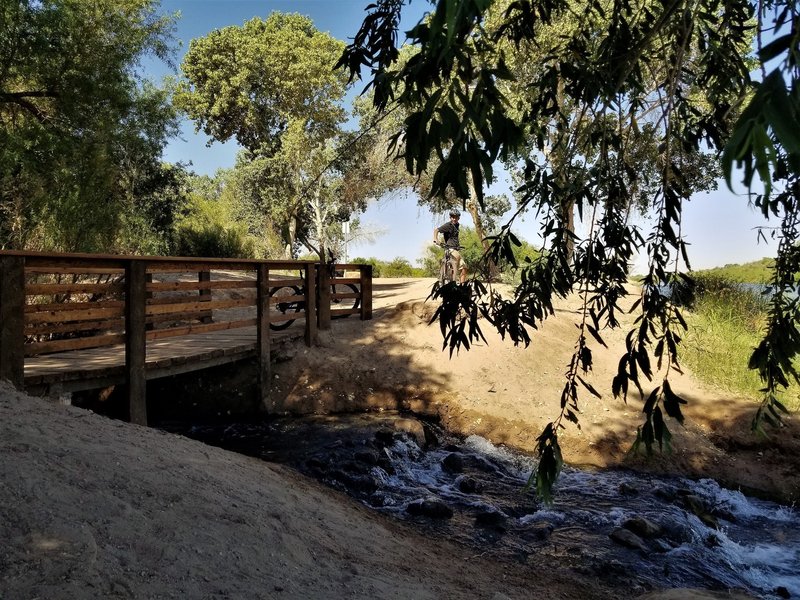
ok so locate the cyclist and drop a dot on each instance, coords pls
(450, 232)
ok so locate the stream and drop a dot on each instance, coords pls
(643, 530)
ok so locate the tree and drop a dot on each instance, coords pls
(625, 64)
(80, 134)
(270, 85)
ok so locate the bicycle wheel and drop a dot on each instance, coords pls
(284, 308)
(348, 303)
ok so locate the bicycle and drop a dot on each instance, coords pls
(295, 302)
(447, 269)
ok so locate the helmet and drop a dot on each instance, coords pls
(454, 212)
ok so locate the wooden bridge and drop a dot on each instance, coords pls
(71, 322)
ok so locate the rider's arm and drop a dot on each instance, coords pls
(436, 236)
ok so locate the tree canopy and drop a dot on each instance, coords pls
(270, 84)
(677, 72)
(81, 134)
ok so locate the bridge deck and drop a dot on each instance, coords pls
(98, 367)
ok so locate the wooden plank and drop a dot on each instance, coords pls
(175, 286)
(175, 317)
(296, 282)
(95, 341)
(47, 328)
(346, 296)
(196, 306)
(49, 289)
(345, 280)
(178, 331)
(76, 315)
(12, 320)
(74, 270)
(136, 342)
(69, 306)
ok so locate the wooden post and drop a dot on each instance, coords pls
(263, 333)
(148, 278)
(324, 308)
(12, 320)
(135, 341)
(311, 304)
(205, 295)
(366, 292)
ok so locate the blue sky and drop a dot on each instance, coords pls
(719, 225)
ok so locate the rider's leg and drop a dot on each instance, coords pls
(459, 266)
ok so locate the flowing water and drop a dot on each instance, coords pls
(690, 533)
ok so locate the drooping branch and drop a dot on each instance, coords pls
(21, 99)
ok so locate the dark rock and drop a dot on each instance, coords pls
(431, 439)
(492, 518)
(665, 492)
(481, 464)
(643, 527)
(539, 531)
(413, 429)
(626, 489)
(468, 485)
(695, 505)
(712, 541)
(384, 436)
(724, 513)
(386, 464)
(369, 457)
(628, 539)
(782, 592)
(355, 482)
(453, 463)
(432, 507)
(661, 546)
(377, 500)
(316, 464)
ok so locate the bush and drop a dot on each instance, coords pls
(214, 241)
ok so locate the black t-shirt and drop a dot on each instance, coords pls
(450, 231)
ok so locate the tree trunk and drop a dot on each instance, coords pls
(474, 211)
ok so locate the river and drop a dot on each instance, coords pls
(641, 530)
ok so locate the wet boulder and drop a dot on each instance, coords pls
(493, 519)
(430, 507)
(354, 482)
(413, 429)
(695, 505)
(642, 527)
(367, 456)
(627, 538)
(384, 436)
(453, 463)
(468, 485)
(539, 531)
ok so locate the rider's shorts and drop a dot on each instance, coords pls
(458, 263)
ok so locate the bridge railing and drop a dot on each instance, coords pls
(52, 303)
